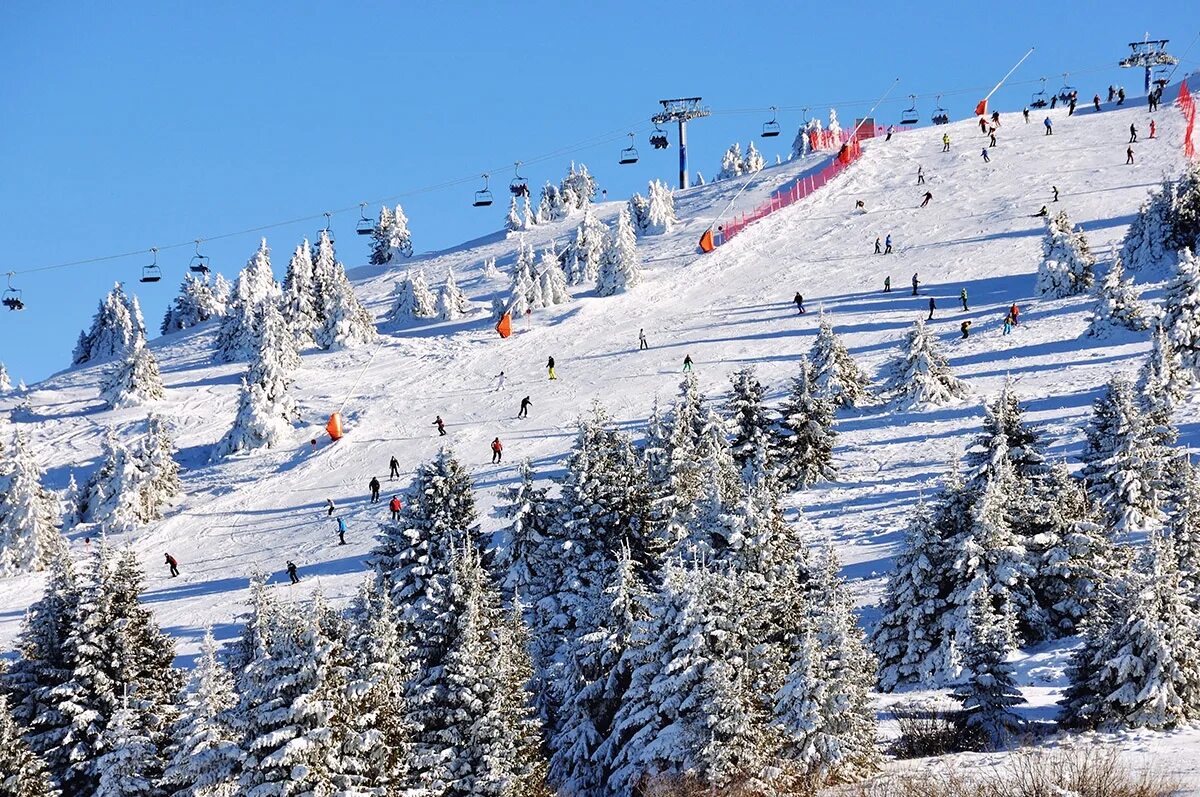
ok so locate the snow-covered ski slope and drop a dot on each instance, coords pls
(726, 309)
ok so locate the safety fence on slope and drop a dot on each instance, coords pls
(849, 149)
(1187, 104)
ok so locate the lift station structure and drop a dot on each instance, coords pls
(1151, 55)
(682, 111)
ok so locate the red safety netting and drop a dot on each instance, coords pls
(1188, 106)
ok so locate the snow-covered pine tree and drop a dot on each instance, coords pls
(639, 212)
(1121, 460)
(551, 281)
(907, 638)
(5, 382)
(1183, 526)
(1146, 245)
(554, 205)
(195, 304)
(490, 271)
(804, 436)
(204, 753)
(266, 412)
(749, 422)
(835, 375)
(116, 325)
(621, 266)
(920, 375)
(112, 496)
(134, 379)
(513, 222)
(579, 187)
(987, 692)
(412, 299)
(754, 161)
(1067, 263)
(528, 511)
(29, 535)
(1005, 434)
(732, 164)
(523, 288)
(131, 764)
(1117, 305)
(1138, 664)
(586, 251)
(835, 128)
(391, 238)
(255, 288)
(301, 307)
(344, 322)
(1181, 311)
(1163, 382)
(452, 302)
(22, 773)
(660, 211)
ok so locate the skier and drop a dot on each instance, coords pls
(945, 142)
(1013, 312)
(878, 245)
(291, 571)
(1049, 126)
(172, 564)
(1151, 128)
(329, 506)
(1041, 213)
(1129, 156)
(441, 426)
(550, 368)
(962, 297)
(687, 362)
(915, 283)
(965, 327)
(986, 159)
(374, 485)
(1112, 90)
(1053, 100)
(1071, 109)
(891, 129)
(1054, 188)
(992, 139)
(525, 405)
(982, 125)
(860, 205)
(497, 450)
(1096, 102)
(887, 244)
(799, 300)
(341, 526)
(395, 466)
(1025, 113)
(925, 201)
(499, 381)
(1132, 133)
(1121, 96)
(313, 442)
(996, 118)
(1008, 322)
(932, 307)
(887, 284)
(920, 175)
(395, 506)
(642, 340)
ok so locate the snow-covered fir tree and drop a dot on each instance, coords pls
(490, 271)
(117, 324)
(1147, 242)
(5, 381)
(204, 753)
(134, 379)
(196, 303)
(452, 302)
(1117, 305)
(22, 773)
(527, 508)
(29, 534)
(301, 307)
(1163, 382)
(578, 187)
(586, 251)
(1121, 460)
(920, 375)
(802, 144)
(254, 290)
(1183, 526)
(988, 692)
(835, 375)
(551, 282)
(514, 221)
(553, 206)
(639, 211)
(804, 436)
(1067, 263)
(655, 213)
(754, 161)
(835, 127)
(266, 411)
(390, 239)
(131, 764)
(749, 422)
(620, 266)
(1181, 311)
(344, 322)
(112, 497)
(732, 164)
(412, 299)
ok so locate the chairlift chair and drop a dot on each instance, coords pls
(658, 138)
(152, 273)
(1039, 97)
(365, 226)
(1064, 94)
(199, 262)
(940, 115)
(12, 297)
(910, 115)
(519, 185)
(483, 197)
(771, 128)
(629, 154)
(328, 225)
(1162, 76)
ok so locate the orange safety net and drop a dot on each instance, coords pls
(334, 427)
(706, 241)
(504, 327)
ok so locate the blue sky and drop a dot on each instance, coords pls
(138, 124)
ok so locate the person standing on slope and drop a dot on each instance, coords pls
(1132, 133)
(1151, 128)
(986, 159)
(945, 142)
(887, 284)
(374, 486)
(1049, 126)
(1014, 312)
(687, 362)
(395, 506)
(1054, 188)
(329, 506)
(799, 300)
(887, 244)
(1025, 113)
(441, 426)
(499, 381)
(878, 245)
(171, 564)
(962, 297)
(642, 345)
(915, 283)
(341, 529)
(932, 307)
(966, 329)
(1096, 102)
(395, 468)
(291, 571)
(1129, 156)
(550, 368)
(920, 175)
(992, 139)
(497, 450)
(525, 405)
(1008, 322)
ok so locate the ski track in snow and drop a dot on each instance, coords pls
(726, 309)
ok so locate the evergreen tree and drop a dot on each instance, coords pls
(620, 267)
(134, 379)
(255, 290)
(987, 692)
(732, 164)
(112, 497)
(835, 375)
(452, 302)
(528, 509)
(523, 288)
(344, 322)
(1122, 460)
(155, 454)
(1183, 527)
(579, 187)
(22, 773)
(587, 249)
(302, 309)
(116, 325)
(1163, 382)
(1181, 312)
(204, 750)
(196, 303)
(920, 375)
(1117, 305)
(753, 162)
(390, 240)
(513, 222)
(804, 437)
(1147, 241)
(29, 535)
(130, 765)
(749, 423)
(412, 299)
(551, 281)
(5, 382)
(1067, 263)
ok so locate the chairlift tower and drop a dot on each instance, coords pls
(682, 111)
(1148, 54)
